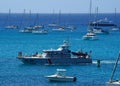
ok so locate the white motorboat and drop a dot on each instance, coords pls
(40, 32)
(100, 31)
(11, 27)
(38, 27)
(27, 30)
(60, 29)
(111, 81)
(71, 27)
(90, 36)
(53, 25)
(60, 75)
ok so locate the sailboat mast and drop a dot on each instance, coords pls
(53, 18)
(90, 10)
(30, 17)
(115, 17)
(97, 13)
(9, 16)
(89, 21)
(115, 66)
(9, 12)
(59, 16)
(22, 18)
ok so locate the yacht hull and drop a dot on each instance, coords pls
(56, 61)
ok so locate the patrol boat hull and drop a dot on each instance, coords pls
(55, 61)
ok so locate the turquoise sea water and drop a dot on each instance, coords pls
(14, 73)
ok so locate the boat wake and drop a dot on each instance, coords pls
(106, 62)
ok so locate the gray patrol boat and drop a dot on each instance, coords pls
(60, 56)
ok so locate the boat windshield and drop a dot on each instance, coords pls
(61, 72)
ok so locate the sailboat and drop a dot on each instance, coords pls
(111, 81)
(9, 26)
(36, 23)
(90, 35)
(59, 27)
(38, 29)
(96, 28)
(29, 28)
(69, 26)
(101, 22)
(115, 28)
(53, 24)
